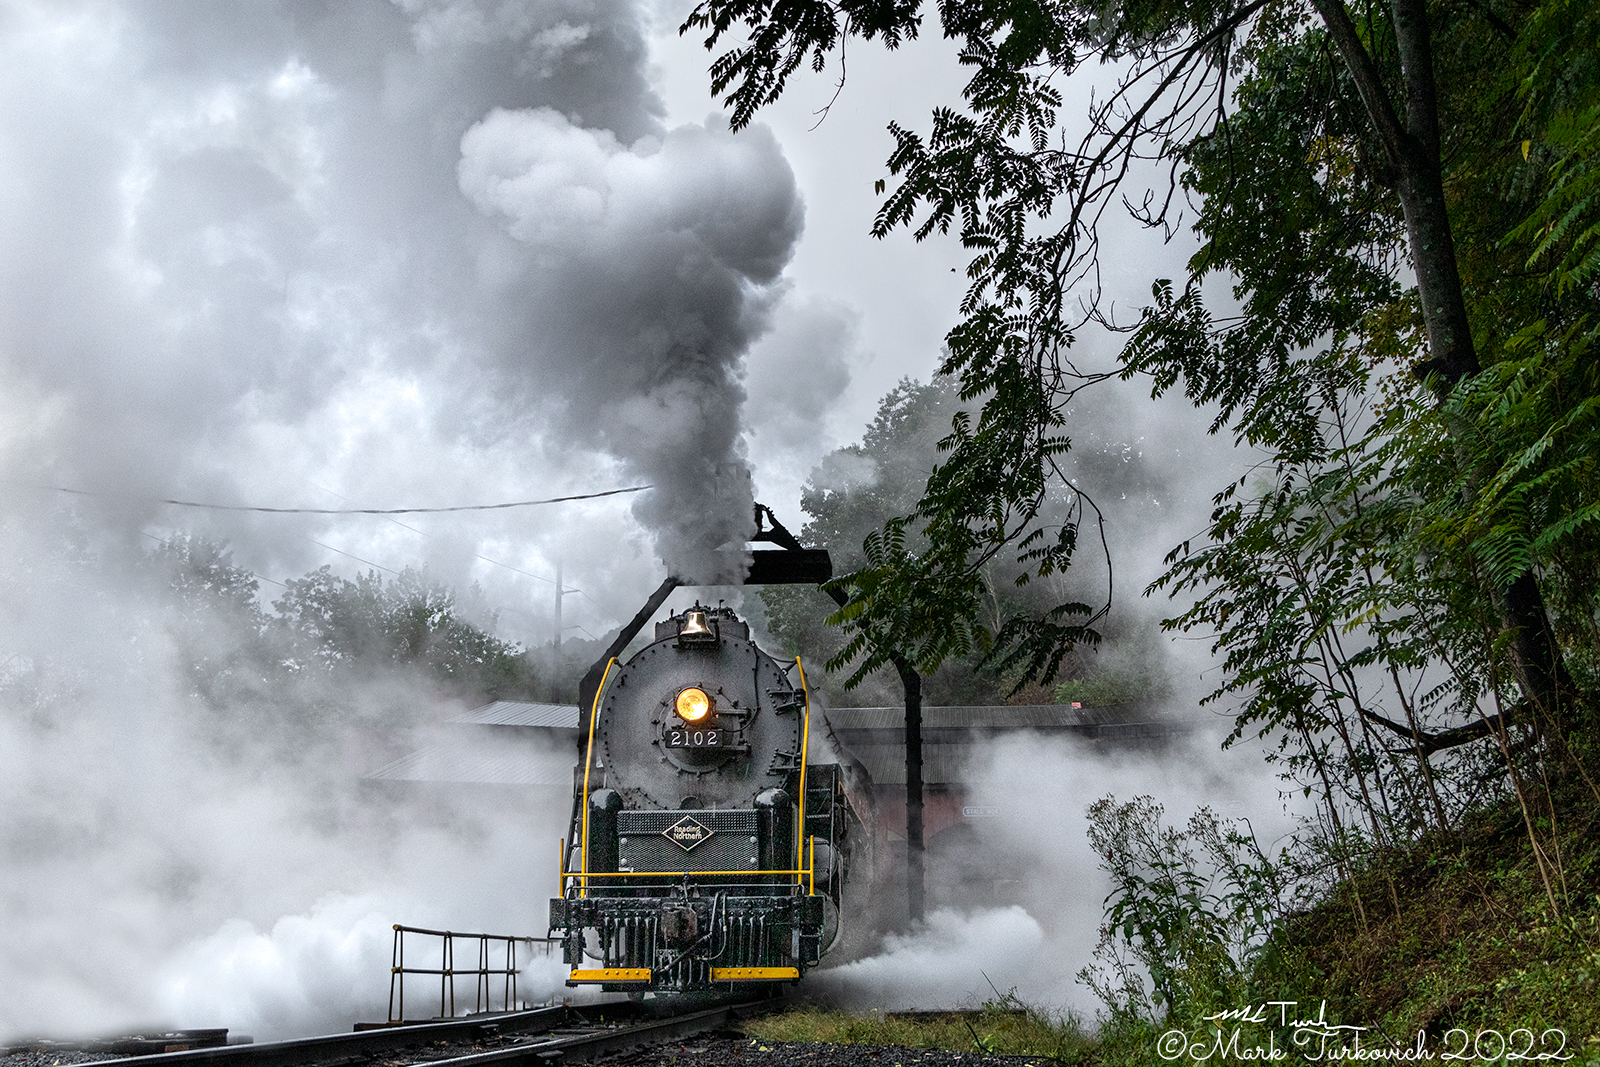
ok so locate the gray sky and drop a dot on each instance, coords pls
(383, 253)
(433, 252)
(424, 253)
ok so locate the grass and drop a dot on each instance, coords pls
(1450, 938)
(1006, 1028)
(1460, 934)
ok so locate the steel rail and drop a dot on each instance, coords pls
(336, 1048)
(581, 1047)
(364, 1044)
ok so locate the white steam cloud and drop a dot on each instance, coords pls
(653, 265)
(1016, 905)
(340, 252)
(430, 251)
(172, 861)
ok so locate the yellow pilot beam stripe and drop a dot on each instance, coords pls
(611, 974)
(753, 974)
(645, 876)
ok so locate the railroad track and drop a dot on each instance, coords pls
(536, 1038)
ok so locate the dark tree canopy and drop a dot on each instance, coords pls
(1404, 200)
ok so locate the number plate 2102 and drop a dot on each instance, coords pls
(685, 737)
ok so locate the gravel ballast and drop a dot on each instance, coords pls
(748, 1052)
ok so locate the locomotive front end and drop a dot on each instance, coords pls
(706, 848)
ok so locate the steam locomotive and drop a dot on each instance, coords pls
(708, 847)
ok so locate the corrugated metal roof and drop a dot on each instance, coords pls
(480, 764)
(875, 736)
(988, 717)
(522, 713)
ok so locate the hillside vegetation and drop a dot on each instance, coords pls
(1394, 303)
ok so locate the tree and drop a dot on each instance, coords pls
(1405, 533)
(215, 621)
(1326, 164)
(848, 498)
(333, 624)
(857, 488)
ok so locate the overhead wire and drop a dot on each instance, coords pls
(358, 559)
(476, 555)
(479, 555)
(423, 534)
(365, 511)
(345, 511)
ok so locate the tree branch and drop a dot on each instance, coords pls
(1427, 744)
(1369, 83)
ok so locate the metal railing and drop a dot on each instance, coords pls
(485, 977)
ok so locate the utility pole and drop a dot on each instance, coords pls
(915, 857)
(915, 850)
(560, 589)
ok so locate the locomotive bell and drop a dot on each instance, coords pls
(696, 629)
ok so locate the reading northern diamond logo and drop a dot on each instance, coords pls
(687, 832)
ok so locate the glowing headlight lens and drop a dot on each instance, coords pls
(693, 705)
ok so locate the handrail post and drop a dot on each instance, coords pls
(483, 971)
(480, 988)
(397, 972)
(445, 977)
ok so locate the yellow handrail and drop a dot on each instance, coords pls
(805, 738)
(588, 761)
(583, 874)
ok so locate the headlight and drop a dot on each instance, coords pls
(693, 705)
